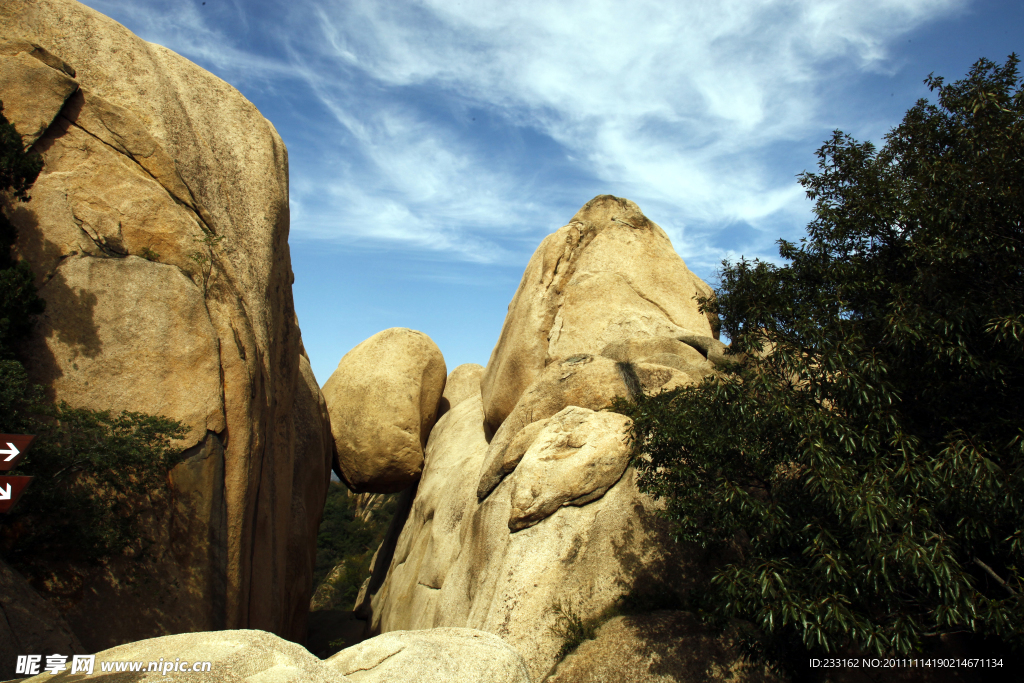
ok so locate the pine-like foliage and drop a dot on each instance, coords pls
(865, 456)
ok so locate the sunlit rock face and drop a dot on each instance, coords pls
(458, 563)
(383, 399)
(158, 232)
(526, 500)
(230, 656)
(441, 655)
(607, 275)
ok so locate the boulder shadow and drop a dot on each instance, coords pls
(69, 316)
(657, 595)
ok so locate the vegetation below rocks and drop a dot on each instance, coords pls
(572, 628)
(94, 471)
(352, 529)
(865, 453)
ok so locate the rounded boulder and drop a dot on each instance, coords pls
(383, 400)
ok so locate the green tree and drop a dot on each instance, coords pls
(348, 538)
(863, 456)
(92, 468)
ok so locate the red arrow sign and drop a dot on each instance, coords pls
(12, 449)
(10, 490)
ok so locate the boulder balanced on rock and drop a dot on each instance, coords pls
(383, 400)
(463, 382)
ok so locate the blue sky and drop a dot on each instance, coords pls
(432, 145)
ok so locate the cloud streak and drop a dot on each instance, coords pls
(473, 128)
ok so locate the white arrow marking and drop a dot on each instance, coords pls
(11, 453)
(5, 495)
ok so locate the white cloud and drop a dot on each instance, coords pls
(683, 104)
(678, 100)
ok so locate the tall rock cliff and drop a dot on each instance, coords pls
(158, 232)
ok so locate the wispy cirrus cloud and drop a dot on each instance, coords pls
(473, 128)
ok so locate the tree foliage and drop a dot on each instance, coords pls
(349, 539)
(865, 455)
(18, 167)
(92, 468)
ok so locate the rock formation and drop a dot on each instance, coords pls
(235, 656)
(158, 233)
(608, 275)
(526, 508)
(383, 400)
(29, 624)
(457, 563)
(439, 655)
(582, 380)
(248, 656)
(463, 382)
(660, 647)
(574, 459)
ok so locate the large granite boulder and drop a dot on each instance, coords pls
(457, 563)
(158, 233)
(251, 656)
(463, 382)
(608, 275)
(440, 655)
(383, 399)
(236, 656)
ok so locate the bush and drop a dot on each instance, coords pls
(93, 473)
(866, 452)
(348, 540)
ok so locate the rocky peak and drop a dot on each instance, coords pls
(607, 275)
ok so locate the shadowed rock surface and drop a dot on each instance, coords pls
(29, 624)
(661, 647)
